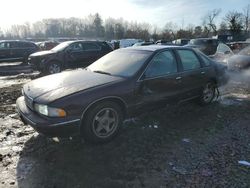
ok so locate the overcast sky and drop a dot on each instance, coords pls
(156, 12)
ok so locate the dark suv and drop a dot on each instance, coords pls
(70, 54)
(15, 50)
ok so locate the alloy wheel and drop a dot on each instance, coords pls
(208, 93)
(54, 68)
(105, 122)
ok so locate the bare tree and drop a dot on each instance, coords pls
(209, 21)
(235, 23)
(1, 34)
(223, 28)
(246, 17)
(169, 31)
(198, 31)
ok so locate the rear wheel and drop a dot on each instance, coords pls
(53, 68)
(208, 93)
(102, 122)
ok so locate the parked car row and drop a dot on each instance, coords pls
(73, 54)
(15, 50)
(93, 102)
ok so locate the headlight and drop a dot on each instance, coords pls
(49, 111)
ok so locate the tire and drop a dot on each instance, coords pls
(53, 67)
(208, 94)
(102, 122)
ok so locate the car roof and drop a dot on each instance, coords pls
(156, 47)
(16, 41)
(204, 39)
(89, 41)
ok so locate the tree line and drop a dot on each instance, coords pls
(233, 23)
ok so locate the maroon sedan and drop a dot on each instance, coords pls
(94, 101)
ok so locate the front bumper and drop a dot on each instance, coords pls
(52, 127)
(36, 64)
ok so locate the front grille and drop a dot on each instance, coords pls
(34, 63)
(29, 102)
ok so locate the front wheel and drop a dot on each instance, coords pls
(208, 94)
(53, 68)
(102, 122)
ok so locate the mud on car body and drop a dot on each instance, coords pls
(94, 102)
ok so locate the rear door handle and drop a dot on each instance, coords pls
(178, 78)
(202, 72)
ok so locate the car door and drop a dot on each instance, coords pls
(74, 55)
(4, 51)
(17, 50)
(160, 81)
(92, 52)
(193, 75)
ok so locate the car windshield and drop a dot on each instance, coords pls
(224, 49)
(124, 63)
(245, 51)
(61, 46)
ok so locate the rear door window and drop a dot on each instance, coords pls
(91, 47)
(189, 60)
(15, 45)
(27, 45)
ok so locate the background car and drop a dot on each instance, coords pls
(164, 42)
(143, 43)
(94, 101)
(206, 45)
(223, 52)
(181, 42)
(48, 45)
(238, 45)
(70, 54)
(240, 61)
(124, 43)
(16, 50)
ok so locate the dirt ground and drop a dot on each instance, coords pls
(179, 146)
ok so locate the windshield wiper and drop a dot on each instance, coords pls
(102, 72)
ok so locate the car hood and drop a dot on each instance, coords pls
(50, 88)
(42, 53)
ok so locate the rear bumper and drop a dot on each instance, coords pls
(52, 127)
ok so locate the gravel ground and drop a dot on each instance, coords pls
(179, 146)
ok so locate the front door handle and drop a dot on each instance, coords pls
(202, 72)
(178, 78)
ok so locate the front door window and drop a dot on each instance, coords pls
(162, 64)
